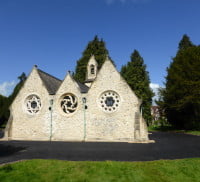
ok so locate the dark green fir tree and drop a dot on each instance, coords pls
(5, 102)
(185, 43)
(181, 96)
(134, 72)
(95, 47)
(22, 79)
(3, 109)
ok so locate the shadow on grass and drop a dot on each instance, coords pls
(7, 168)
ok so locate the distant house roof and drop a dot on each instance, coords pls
(51, 83)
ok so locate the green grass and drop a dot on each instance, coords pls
(185, 170)
(192, 132)
(168, 128)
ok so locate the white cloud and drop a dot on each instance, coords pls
(155, 87)
(6, 88)
(124, 1)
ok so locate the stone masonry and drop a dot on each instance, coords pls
(103, 109)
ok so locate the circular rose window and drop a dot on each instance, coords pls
(69, 103)
(109, 101)
(33, 104)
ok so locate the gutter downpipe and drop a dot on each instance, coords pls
(84, 117)
(51, 118)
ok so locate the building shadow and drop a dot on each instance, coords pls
(1, 133)
(6, 150)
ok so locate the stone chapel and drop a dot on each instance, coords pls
(103, 108)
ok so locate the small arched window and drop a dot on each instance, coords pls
(92, 69)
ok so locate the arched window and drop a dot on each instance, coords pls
(92, 69)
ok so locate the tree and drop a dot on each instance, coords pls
(181, 96)
(95, 47)
(22, 79)
(185, 43)
(5, 102)
(134, 72)
(161, 106)
(3, 109)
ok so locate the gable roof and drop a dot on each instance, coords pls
(51, 83)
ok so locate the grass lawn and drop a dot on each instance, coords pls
(169, 128)
(184, 170)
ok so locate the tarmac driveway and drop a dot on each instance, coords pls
(166, 146)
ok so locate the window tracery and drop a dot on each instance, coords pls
(109, 101)
(69, 103)
(33, 104)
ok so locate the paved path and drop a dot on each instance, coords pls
(167, 146)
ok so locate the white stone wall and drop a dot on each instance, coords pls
(68, 126)
(26, 126)
(118, 125)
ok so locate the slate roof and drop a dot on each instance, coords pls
(83, 88)
(51, 83)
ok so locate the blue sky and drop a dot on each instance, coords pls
(53, 33)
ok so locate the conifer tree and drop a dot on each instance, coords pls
(181, 96)
(5, 102)
(3, 108)
(95, 47)
(22, 79)
(185, 42)
(134, 72)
